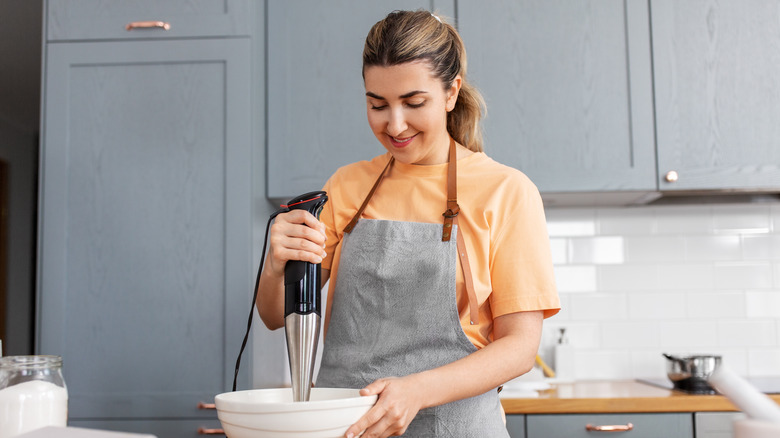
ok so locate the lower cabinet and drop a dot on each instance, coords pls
(515, 425)
(715, 424)
(161, 428)
(674, 425)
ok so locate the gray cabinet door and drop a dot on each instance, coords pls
(643, 425)
(716, 70)
(515, 425)
(145, 246)
(109, 19)
(161, 428)
(315, 94)
(568, 88)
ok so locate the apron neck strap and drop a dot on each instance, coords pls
(450, 217)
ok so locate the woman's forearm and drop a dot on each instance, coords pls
(509, 356)
(270, 299)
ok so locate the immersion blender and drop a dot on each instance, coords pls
(302, 307)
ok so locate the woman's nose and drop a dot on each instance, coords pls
(396, 125)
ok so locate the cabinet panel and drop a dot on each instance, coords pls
(716, 86)
(644, 425)
(716, 424)
(515, 425)
(144, 268)
(568, 89)
(316, 99)
(159, 428)
(107, 19)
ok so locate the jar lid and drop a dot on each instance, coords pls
(31, 362)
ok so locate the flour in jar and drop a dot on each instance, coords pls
(32, 405)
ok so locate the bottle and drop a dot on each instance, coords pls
(564, 358)
(32, 394)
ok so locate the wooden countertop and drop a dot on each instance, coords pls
(615, 397)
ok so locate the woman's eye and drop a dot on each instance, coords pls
(415, 104)
(378, 107)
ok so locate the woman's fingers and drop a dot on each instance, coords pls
(391, 415)
(296, 235)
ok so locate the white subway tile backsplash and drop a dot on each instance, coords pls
(628, 277)
(591, 364)
(657, 305)
(596, 250)
(762, 304)
(690, 276)
(688, 335)
(726, 304)
(692, 279)
(626, 221)
(764, 362)
(750, 333)
(559, 247)
(744, 275)
(655, 249)
(629, 334)
(705, 248)
(598, 306)
(575, 278)
(685, 220)
(741, 219)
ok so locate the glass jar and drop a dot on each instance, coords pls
(32, 394)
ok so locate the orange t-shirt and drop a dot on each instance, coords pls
(501, 217)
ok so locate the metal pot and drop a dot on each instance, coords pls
(690, 373)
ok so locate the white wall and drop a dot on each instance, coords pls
(636, 282)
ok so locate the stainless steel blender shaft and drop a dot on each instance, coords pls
(303, 335)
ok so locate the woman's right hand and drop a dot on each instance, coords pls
(295, 235)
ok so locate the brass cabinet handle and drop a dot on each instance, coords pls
(148, 25)
(671, 176)
(609, 428)
(204, 431)
(202, 405)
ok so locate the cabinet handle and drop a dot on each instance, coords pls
(609, 428)
(204, 431)
(202, 405)
(671, 176)
(148, 25)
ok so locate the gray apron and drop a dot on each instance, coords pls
(395, 313)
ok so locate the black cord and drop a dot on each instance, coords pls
(254, 293)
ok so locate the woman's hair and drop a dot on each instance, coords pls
(406, 36)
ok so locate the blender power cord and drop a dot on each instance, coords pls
(284, 209)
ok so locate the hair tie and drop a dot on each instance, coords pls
(434, 16)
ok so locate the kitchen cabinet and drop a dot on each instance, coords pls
(568, 88)
(144, 270)
(715, 424)
(716, 88)
(515, 425)
(643, 425)
(315, 94)
(110, 19)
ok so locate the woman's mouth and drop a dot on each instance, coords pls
(401, 142)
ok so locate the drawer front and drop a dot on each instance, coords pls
(643, 425)
(716, 424)
(146, 19)
(515, 425)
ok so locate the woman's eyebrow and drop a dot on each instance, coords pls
(403, 96)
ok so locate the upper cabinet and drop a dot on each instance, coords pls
(717, 94)
(568, 88)
(315, 95)
(143, 19)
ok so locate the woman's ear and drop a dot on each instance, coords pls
(452, 93)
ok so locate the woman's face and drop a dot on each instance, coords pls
(407, 110)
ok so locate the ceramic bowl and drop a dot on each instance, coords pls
(271, 413)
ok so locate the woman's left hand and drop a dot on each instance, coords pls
(400, 398)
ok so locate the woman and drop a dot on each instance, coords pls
(439, 256)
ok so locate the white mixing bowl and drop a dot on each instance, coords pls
(271, 413)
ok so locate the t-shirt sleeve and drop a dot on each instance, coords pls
(328, 218)
(521, 266)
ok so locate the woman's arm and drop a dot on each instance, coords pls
(295, 235)
(511, 354)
